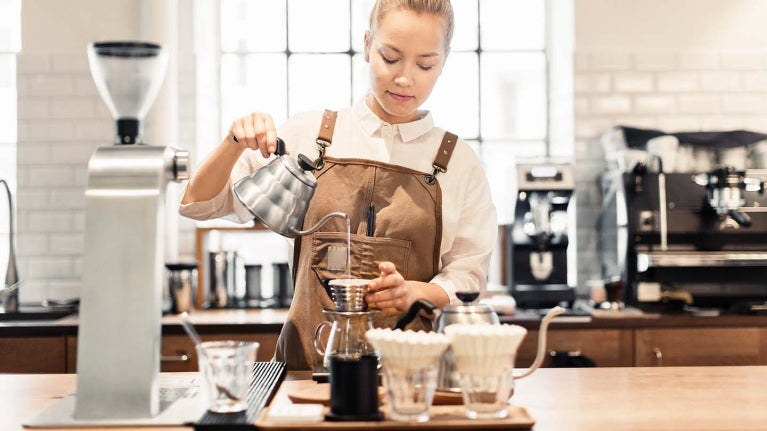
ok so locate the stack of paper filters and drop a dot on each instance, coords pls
(484, 349)
(407, 349)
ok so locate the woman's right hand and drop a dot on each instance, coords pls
(255, 131)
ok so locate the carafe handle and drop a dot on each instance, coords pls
(317, 333)
(556, 311)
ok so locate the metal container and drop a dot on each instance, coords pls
(180, 292)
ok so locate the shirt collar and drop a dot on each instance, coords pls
(408, 131)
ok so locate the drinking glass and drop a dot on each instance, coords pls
(410, 391)
(486, 392)
(225, 368)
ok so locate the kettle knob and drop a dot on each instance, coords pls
(306, 163)
(467, 297)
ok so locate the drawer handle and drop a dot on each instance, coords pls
(181, 357)
(658, 356)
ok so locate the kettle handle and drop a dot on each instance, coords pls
(421, 304)
(541, 342)
(280, 150)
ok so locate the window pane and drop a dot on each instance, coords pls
(10, 19)
(360, 77)
(255, 82)
(512, 24)
(253, 25)
(500, 159)
(465, 34)
(514, 96)
(318, 25)
(7, 115)
(457, 111)
(360, 22)
(319, 81)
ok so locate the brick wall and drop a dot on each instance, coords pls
(62, 120)
(671, 90)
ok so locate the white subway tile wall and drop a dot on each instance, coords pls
(670, 90)
(62, 120)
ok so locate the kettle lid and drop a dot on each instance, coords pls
(301, 168)
(468, 307)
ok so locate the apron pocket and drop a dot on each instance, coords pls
(329, 255)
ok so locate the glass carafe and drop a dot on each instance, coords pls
(346, 339)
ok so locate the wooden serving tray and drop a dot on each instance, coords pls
(319, 393)
(442, 418)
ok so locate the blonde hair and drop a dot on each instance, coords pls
(441, 8)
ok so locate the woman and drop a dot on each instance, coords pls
(384, 160)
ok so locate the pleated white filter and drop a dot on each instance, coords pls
(407, 349)
(484, 349)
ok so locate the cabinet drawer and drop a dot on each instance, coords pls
(704, 346)
(606, 347)
(33, 355)
(178, 354)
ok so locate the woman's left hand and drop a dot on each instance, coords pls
(390, 289)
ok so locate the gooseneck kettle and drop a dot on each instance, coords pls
(278, 194)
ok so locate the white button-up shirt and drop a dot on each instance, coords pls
(469, 224)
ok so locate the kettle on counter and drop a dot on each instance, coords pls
(278, 194)
(470, 313)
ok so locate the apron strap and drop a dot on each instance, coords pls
(442, 158)
(325, 139)
(325, 135)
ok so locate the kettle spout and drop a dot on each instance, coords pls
(556, 311)
(319, 224)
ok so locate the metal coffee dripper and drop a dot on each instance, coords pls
(349, 322)
(279, 193)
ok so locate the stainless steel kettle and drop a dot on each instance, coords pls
(278, 194)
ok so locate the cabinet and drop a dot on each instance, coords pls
(177, 352)
(700, 346)
(32, 355)
(606, 347)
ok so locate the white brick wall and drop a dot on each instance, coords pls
(62, 120)
(672, 90)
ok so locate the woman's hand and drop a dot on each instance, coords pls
(391, 289)
(255, 131)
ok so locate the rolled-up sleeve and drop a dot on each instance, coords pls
(465, 265)
(224, 204)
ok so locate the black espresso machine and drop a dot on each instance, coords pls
(694, 238)
(540, 249)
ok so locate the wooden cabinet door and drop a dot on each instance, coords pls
(700, 346)
(606, 347)
(178, 353)
(32, 355)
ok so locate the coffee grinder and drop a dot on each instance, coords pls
(118, 352)
(538, 240)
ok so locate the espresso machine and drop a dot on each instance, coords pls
(539, 245)
(693, 237)
(118, 352)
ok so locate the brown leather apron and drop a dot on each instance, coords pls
(407, 231)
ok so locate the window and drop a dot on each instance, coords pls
(289, 56)
(10, 43)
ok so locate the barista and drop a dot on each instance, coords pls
(422, 221)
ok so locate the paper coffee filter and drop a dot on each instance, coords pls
(407, 349)
(484, 349)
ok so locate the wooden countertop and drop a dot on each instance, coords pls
(682, 398)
